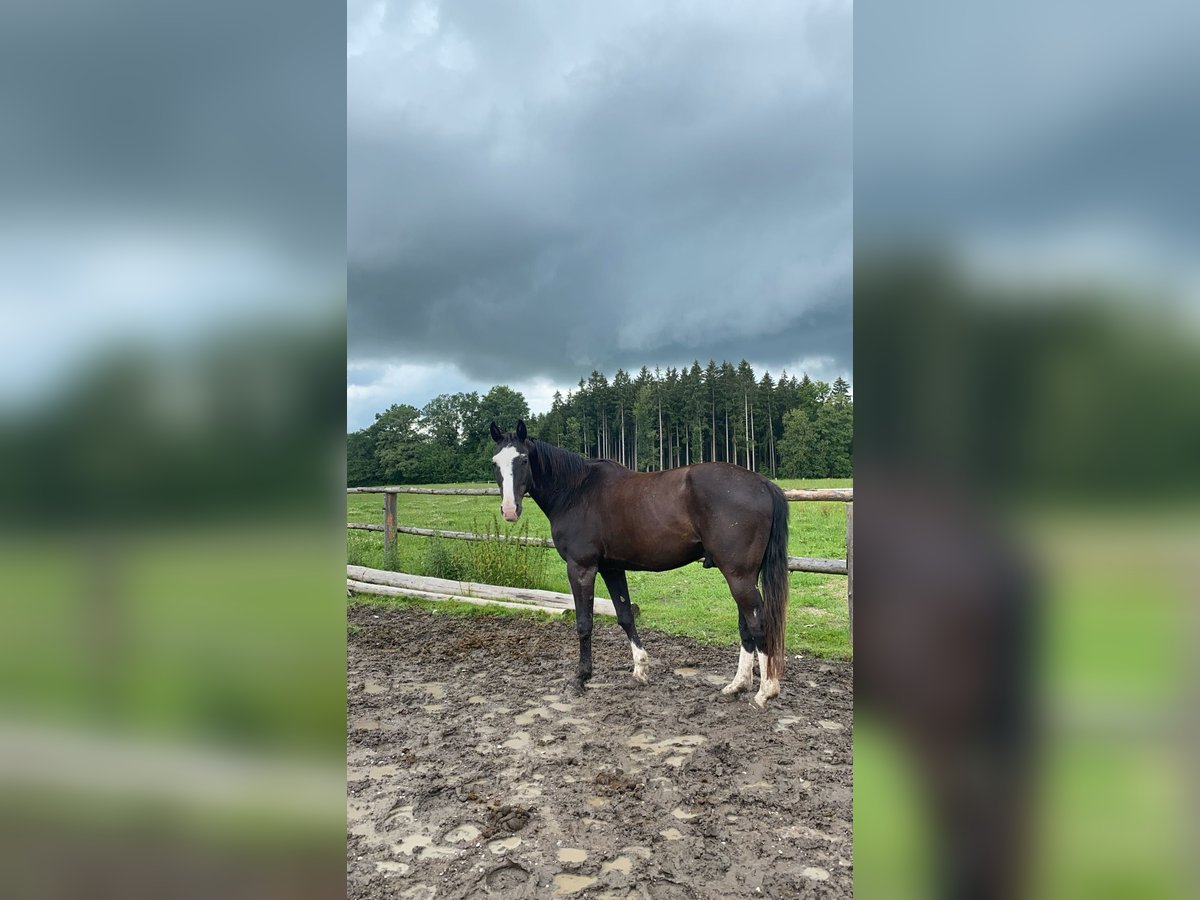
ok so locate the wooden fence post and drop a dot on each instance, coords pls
(389, 530)
(850, 566)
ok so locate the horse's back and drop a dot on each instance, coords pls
(725, 489)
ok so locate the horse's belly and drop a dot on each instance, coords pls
(656, 557)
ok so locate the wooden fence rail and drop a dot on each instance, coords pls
(795, 563)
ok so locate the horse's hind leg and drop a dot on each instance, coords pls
(618, 589)
(750, 607)
(744, 679)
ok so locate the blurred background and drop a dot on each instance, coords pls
(172, 293)
(1027, 442)
(172, 287)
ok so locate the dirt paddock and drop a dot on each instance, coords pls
(473, 772)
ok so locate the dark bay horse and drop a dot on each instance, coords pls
(606, 519)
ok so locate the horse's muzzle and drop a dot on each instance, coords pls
(510, 513)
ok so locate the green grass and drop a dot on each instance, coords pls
(691, 601)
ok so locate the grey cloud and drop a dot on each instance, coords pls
(533, 192)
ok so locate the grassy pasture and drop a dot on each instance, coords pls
(692, 601)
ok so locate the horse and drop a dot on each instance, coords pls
(607, 520)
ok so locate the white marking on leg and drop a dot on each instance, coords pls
(769, 687)
(744, 679)
(508, 501)
(641, 663)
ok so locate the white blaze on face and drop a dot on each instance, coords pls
(508, 500)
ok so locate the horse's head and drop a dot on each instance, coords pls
(511, 463)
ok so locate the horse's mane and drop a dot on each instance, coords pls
(560, 467)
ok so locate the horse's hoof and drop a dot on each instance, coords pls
(733, 688)
(576, 687)
(759, 701)
(641, 678)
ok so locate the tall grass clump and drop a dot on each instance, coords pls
(504, 559)
(365, 548)
(444, 560)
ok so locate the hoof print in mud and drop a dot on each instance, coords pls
(504, 880)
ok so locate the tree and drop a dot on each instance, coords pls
(501, 405)
(786, 428)
(835, 438)
(398, 445)
(362, 466)
(797, 446)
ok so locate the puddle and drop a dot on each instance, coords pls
(816, 873)
(597, 801)
(562, 707)
(785, 723)
(684, 743)
(572, 855)
(525, 792)
(526, 718)
(435, 689)
(760, 785)
(637, 850)
(388, 867)
(434, 707)
(364, 725)
(477, 700)
(423, 844)
(519, 741)
(571, 884)
(791, 832)
(382, 771)
(830, 726)
(371, 686)
(683, 814)
(672, 834)
(718, 680)
(462, 834)
(622, 864)
(503, 845)
(686, 671)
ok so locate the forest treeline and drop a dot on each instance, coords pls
(784, 428)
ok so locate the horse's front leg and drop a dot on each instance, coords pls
(583, 588)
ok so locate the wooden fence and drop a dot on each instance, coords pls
(379, 581)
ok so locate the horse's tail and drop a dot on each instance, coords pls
(774, 574)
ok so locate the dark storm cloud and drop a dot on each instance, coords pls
(535, 190)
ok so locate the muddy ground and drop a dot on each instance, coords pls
(472, 771)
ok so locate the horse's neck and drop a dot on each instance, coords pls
(551, 494)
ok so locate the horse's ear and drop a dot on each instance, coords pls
(521, 433)
(496, 435)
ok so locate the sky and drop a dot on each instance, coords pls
(155, 198)
(538, 189)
